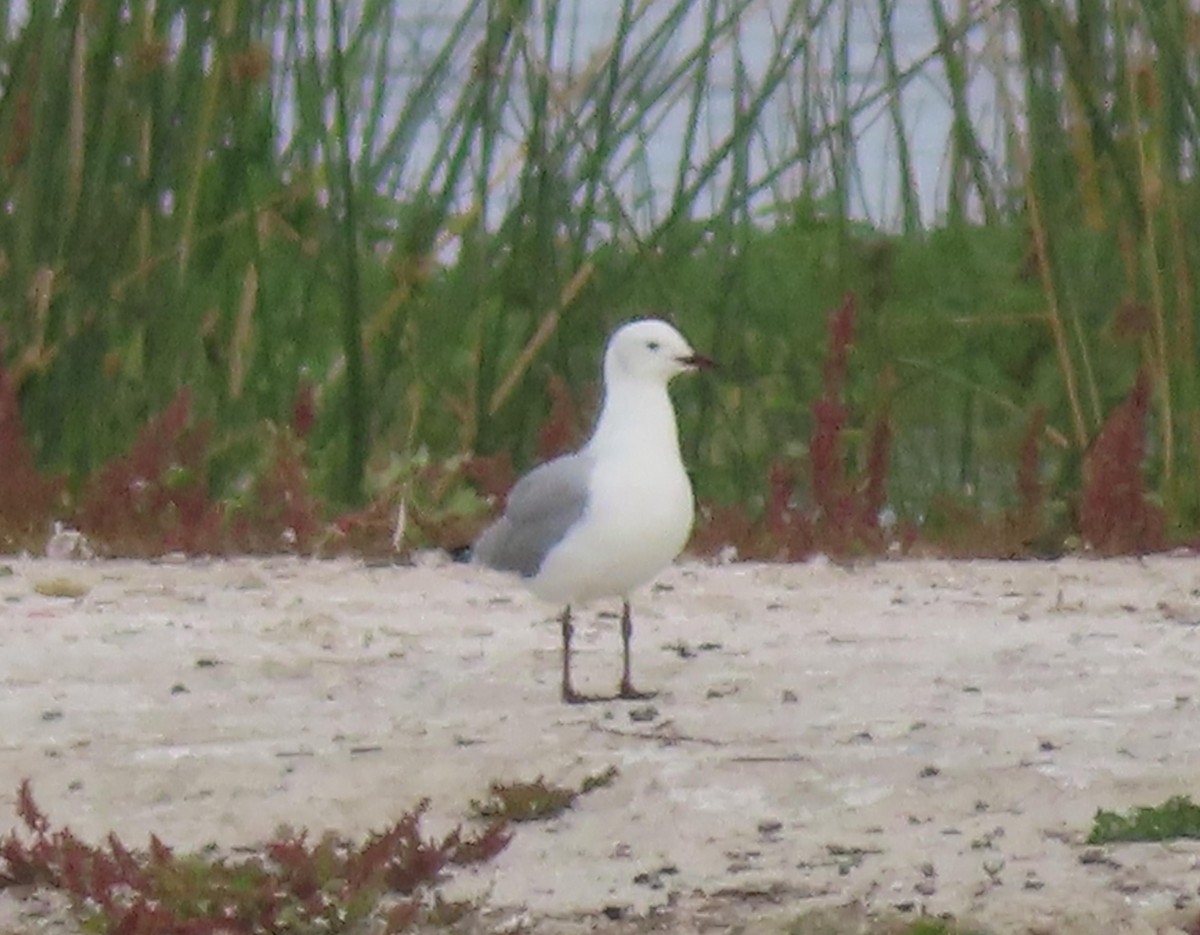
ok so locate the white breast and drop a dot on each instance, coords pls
(638, 520)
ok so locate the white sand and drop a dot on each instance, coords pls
(930, 735)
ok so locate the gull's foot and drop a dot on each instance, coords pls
(570, 696)
(629, 693)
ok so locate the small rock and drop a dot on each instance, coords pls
(613, 913)
(61, 587)
(789, 696)
(1094, 855)
(681, 649)
(770, 826)
(929, 771)
(643, 713)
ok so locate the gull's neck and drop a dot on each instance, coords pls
(637, 416)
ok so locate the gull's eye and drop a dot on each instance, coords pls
(653, 345)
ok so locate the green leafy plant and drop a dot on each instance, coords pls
(1177, 817)
(537, 800)
(431, 273)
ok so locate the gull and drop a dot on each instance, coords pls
(601, 522)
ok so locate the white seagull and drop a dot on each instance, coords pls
(604, 520)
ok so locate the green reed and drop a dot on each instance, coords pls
(423, 219)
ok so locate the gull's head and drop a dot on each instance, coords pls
(650, 349)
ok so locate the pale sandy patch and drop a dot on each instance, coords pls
(934, 736)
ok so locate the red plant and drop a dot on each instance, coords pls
(304, 409)
(155, 498)
(843, 518)
(1029, 487)
(26, 497)
(846, 519)
(492, 475)
(369, 532)
(1116, 517)
(560, 432)
(289, 886)
(791, 530)
(282, 515)
(827, 464)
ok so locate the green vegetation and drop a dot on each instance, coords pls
(537, 800)
(854, 919)
(365, 275)
(1177, 817)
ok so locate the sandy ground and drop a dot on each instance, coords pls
(924, 735)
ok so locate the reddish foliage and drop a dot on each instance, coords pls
(425, 503)
(26, 498)
(1029, 486)
(1115, 516)
(827, 463)
(401, 917)
(304, 409)
(843, 519)
(846, 521)
(18, 134)
(282, 515)
(290, 886)
(792, 532)
(155, 498)
(479, 849)
(784, 533)
(369, 532)
(561, 431)
(727, 527)
(492, 475)
(1132, 320)
(28, 811)
(841, 340)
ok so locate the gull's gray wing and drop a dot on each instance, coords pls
(542, 506)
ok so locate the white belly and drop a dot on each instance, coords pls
(637, 522)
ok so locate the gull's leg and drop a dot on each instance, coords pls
(569, 695)
(627, 689)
